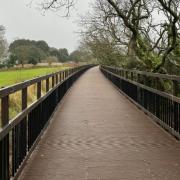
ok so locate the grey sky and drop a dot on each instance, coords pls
(22, 21)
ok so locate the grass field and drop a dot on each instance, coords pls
(15, 76)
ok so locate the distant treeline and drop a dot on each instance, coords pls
(24, 51)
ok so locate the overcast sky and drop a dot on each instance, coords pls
(23, 21)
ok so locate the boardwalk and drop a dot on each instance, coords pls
(97, 134)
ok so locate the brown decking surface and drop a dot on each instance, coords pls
(97, 134)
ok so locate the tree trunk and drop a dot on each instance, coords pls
(132, 53)
(132, 46)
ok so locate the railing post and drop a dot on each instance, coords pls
(61, 75)
(52, 81)
(158, 85)
(132, 76)
(175, 88)
(57, 78)
(138, 78)
(5, 110)
(68, 72)
(38, 89)
(24, 98)
(176, 123)
(4, 144)
(61, 78)
(144, 79)
(47, 84)
(23, 128)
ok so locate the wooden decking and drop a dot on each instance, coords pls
(97, 134)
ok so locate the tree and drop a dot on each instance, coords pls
(119, 24)
(35, 55)
(130, 12)
(12, 60)
(38, 51)
(106, 52)
(171, 27)
(55, 53)
(51, 59)
(63, 55)
(19, 42)
(75, 56)
(3, 46)
(42, 45)
(27, 51)
(20, 53)
(150, 45)
(58, 5)
(26, 54)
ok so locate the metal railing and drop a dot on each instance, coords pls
(148, 91)
(19, 135)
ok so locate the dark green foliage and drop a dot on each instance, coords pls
(2, 66)
(26, 54)
(42, 45)
(12, 60)
(27, 51)
(61, 54)
(75, 56)
(54, 52)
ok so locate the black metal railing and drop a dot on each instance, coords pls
(19, 135)
(147, 91)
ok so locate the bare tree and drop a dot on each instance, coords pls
(57, 5)
(131, 23)
(3, 44)
(106, 23)
(171, 28)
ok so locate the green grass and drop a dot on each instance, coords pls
(10, 77)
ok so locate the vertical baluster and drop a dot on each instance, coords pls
(52, 81)
(47, 84)
(57, 79)
(61, 76)
(4, 143)
(38, 89)
(175, 108)
(23, 127)
(132, 76)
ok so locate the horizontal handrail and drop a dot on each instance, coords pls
(19, 86)
(161, 93)
(163, 107)
(143, 78)
(157, 75)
